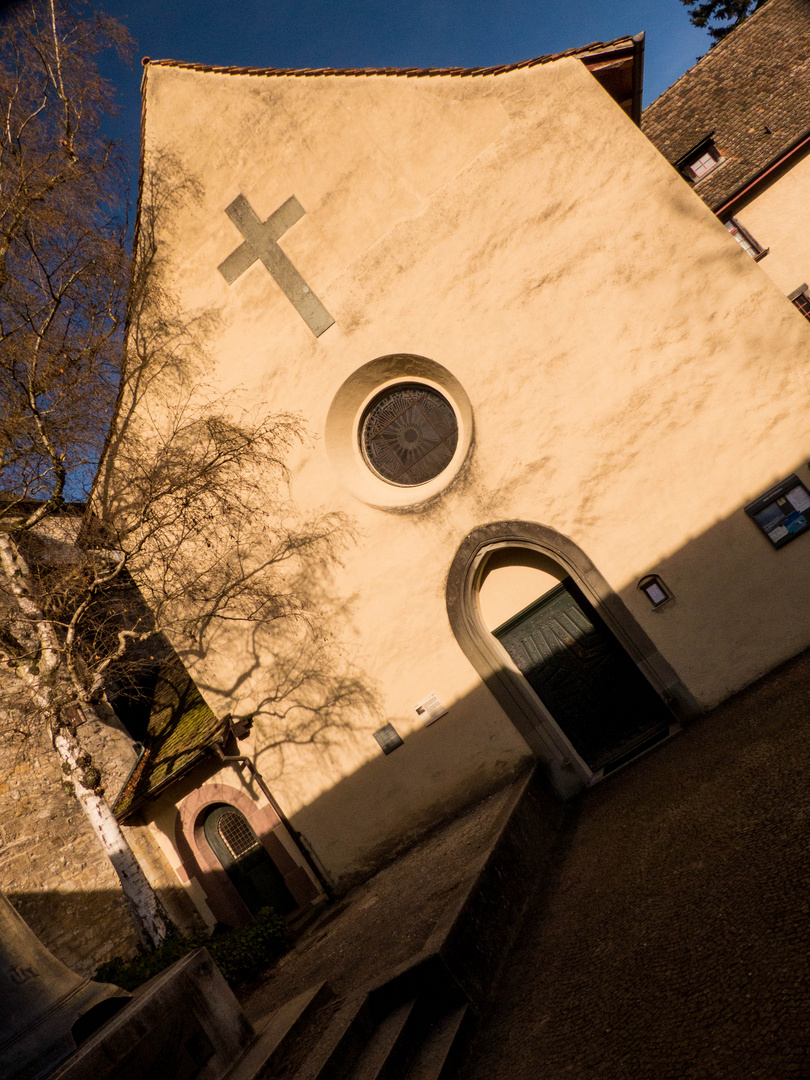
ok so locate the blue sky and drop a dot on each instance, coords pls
(393, 33)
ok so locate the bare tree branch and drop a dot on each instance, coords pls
(139, 513)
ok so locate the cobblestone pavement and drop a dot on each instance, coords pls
(672, 939)
(386, 920)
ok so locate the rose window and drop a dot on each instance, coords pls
(409, 434)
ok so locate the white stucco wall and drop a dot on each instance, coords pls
(777, 219)
(633, 378)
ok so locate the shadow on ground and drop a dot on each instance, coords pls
(672, 935)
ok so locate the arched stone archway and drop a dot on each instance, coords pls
(246, 861)
(568, 769)
(199, 860)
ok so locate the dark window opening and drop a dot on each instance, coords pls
(800, 298)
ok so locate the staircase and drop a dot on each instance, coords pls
(412, 1023)
(405, 1029)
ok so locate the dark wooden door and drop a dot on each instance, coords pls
(255, 876)
(596, 694)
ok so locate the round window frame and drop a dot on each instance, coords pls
(349, 406)
(375, 402)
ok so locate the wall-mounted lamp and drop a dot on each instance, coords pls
(655, 590)
(241, 725)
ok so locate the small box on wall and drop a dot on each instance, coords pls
(388, 739)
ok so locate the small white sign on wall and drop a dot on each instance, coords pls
(430, 709)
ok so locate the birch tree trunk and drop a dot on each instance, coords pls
(144, 905)
(36, 662)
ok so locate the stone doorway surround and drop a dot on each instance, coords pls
(568, 773)
(199, 861)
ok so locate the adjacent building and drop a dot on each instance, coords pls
(737, 128)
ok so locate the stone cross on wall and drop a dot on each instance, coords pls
(261, 243)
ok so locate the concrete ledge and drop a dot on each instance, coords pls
(185, 1023)
(466, 949)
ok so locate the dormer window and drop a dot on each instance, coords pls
(705, 163)
(700, 160)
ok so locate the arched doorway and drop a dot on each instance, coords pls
(244, 859)
(562, 655)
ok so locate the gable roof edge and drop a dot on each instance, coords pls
(594, 52)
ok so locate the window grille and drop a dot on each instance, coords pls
(236, 833)
(700, 160)
(409, 434)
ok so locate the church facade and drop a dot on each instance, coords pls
(563, 410)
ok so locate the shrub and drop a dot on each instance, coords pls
(240, 953)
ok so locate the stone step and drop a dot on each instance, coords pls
(274, 1034)
(434, 1053)
(341, 1043)
(388, 1043)
(411, 1023)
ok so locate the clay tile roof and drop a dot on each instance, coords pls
(181, 729)
(751, 93)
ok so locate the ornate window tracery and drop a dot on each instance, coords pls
(409, 434)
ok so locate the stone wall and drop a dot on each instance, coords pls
(52, 867)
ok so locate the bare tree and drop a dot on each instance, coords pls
(193, 496)
(181, 491)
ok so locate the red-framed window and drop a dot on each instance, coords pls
(801, 300)
(700, 161)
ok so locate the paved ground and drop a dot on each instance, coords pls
(672, 940)
(387, 920)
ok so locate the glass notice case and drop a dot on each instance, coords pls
(783, 513)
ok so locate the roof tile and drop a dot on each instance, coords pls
(752, 90)
(181, 728)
